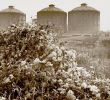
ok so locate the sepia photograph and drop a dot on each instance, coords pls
(54, 50)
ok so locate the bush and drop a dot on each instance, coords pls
(34, 68)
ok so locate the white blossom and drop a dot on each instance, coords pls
(70, 95)
(62, 48)
(49, 64)
(108, 92)
(43, 61)
(60, 81)
(98, 95)
(23, 63)
(66, 85)
(59, 58)
(59, 51)
(94, 89)
(6, 80)
(11, 76)
(62, 91)
(2, 98)
(91, 67)
(43, 31)
(53, 54)
(54, 80)
(69, 80)
(71, 54)
(84, 85)
(54, 59)
(53, 46)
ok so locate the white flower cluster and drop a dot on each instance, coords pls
(70, 95)
(83, 72)
(2, 98)
(8, 79)
(94, 89)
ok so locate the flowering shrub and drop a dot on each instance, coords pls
(34, 68)
(83, 60)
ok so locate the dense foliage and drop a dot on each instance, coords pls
(33, 67)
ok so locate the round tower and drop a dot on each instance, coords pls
(54, 16)
(11, 16)
(83, 19)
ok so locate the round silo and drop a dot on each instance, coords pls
(54, 16)
(11, 16)
(84, 19)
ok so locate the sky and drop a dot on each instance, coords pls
(30, 7)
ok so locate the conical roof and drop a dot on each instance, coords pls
(51, 8)
(11, 9)
(84, 7)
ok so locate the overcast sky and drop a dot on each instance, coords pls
(30, 7)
